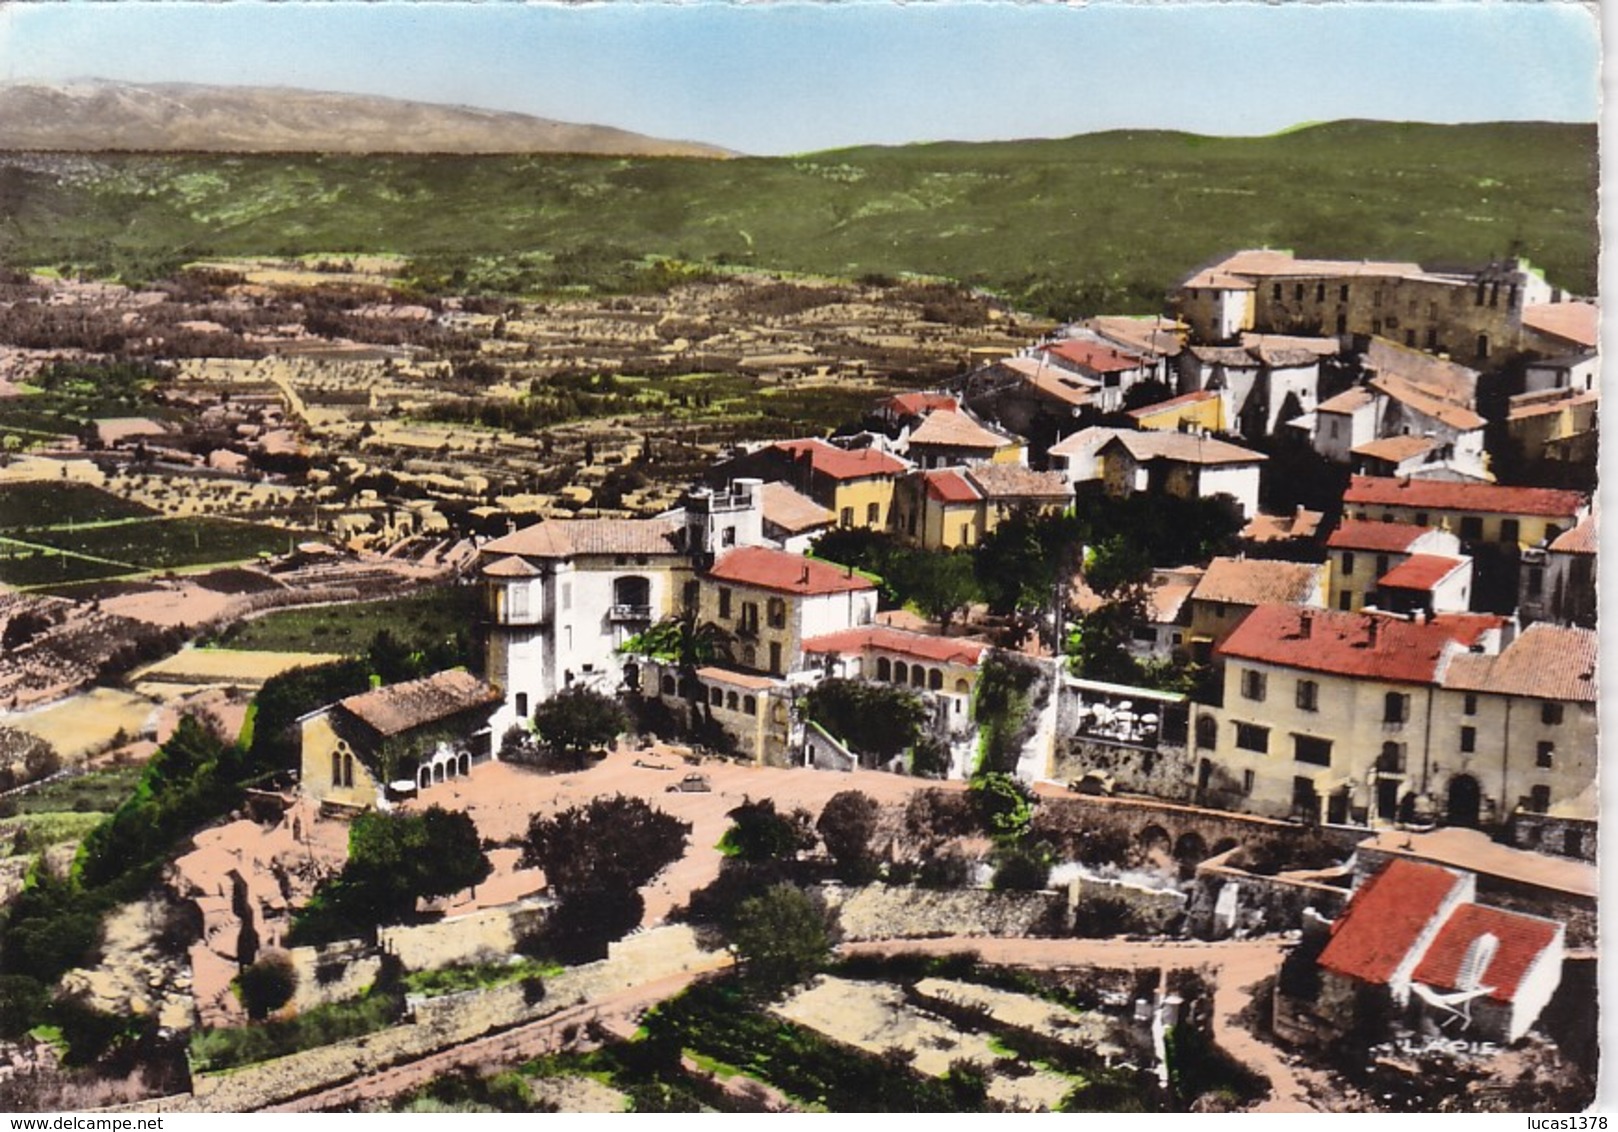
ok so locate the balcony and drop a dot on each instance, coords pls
(619, 614)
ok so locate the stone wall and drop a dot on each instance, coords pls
(446, 1021)
(490, 934)
(1169, 772)
(332, 973)
(1259, 904)
(882, 912)
(1146, 911)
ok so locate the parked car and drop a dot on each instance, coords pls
(691, 784)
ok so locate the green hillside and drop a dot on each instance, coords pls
(1098, 221)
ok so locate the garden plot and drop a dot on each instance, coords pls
(876, 1017)
(194, 667)
(85, 724)
(1085, 1031)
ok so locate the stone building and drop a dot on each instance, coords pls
(396, 741)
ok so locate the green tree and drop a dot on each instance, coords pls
(758, 833)
(394, 859)
(578, 721)
(1004, 806)
(877, 720)
(595, 858)
(779, 937)
(940, 584)
(276, 740)
(847, 827)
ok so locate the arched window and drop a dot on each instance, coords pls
(935, 680)
(962, 688)
(750, 705)
(348, 769)
(1207, 731)
(731, 701)
(884, 669)
(716, 697)
(466, 763)
(425, 777)
(668, 684)
(336, 768)
(918, 677)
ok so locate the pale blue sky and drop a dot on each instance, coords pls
(780, 78)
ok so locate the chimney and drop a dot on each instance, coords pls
(804, 581)
(1373, 625)
(1306, 624)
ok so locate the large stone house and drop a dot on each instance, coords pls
(1482, 316)
(1334, 716)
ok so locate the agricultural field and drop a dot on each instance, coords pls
(169, 544)
(39, 505)
(416, 621)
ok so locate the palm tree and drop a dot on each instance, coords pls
(690, 643)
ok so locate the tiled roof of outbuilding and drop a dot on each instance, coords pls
(1384, 919)
(403, 707)
(1520, 940)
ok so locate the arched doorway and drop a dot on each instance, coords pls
(1465, 801)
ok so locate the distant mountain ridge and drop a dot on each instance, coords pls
(94, 115)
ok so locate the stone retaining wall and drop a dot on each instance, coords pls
(439, 1023)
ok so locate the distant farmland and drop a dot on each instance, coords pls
(1099, 222)
(51, 534)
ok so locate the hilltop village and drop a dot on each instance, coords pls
(489, 668)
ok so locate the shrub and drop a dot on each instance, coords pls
(268, 984)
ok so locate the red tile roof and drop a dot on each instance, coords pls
(1325, 640)
(948, 485)
(719, 675)
(1385, 918)
(1420, 572)
(1397, 449)
(881, 638)
(1013, 481)
(1547, 662)
(511, 566)
(1367, 534)
(788, 573)
(843, 463)
(793, 511)
(1520, 940)
(919, 404)
(1093, 356)
(1421, 399)
(1444, 495)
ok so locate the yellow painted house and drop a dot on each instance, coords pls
(400, 740)
(1475, 512)
(1201, 411)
